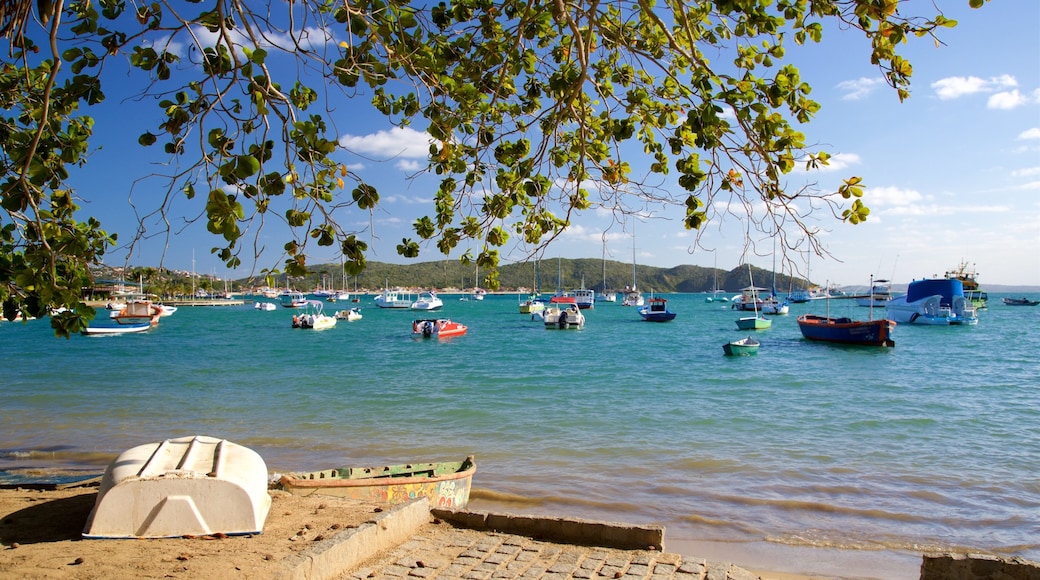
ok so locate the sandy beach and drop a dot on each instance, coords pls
(40, 538)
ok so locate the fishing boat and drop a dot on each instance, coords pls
(847, 331)
(445, 484)
(427, 301)
(1020, 302)
(117, 329)
(656, 310)
(742, 347)
(350, 315)
(315, 318)
(972, 291)
(932, 301)
(437, 328)
(563, 313)
(585, 297)
(138, 311)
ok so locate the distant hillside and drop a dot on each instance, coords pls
(571, 274)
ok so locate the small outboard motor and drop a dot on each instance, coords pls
(427, 329)
(563, 319)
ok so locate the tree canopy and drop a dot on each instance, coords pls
(534, 109)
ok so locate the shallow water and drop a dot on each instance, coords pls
(931, 445)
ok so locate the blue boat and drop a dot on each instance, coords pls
(846, 330)
(656, 311)
(934, 301)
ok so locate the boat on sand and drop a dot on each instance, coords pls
(445, 484)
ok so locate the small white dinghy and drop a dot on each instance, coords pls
(190, 486)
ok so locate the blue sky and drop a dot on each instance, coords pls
(952, 174)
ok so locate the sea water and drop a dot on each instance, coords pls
(807, 457)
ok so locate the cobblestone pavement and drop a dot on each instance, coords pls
(455, 553)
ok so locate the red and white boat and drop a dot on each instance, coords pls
(437, 328)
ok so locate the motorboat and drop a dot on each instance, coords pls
(479, 294)
(632, 297)
(315, 318)
(847, 331)
(585, 298)
(656, 311)
(563, 312)
(749, 299)
(880, 295)
(446, 484)
(349, 315)
(261, 305)
(743, 347)
(289, 299)
(338, 297)
(427, 301)
(775, 306)
(393, 299)
(933, 301)
(532, 305)
(167, 310)
(437, 328)
(1019, 302)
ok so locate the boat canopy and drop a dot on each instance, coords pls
(948, 288)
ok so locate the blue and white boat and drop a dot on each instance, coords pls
(656, 311)
(934, 301)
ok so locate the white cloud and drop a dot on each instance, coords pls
(841, 161)
(1006, 100)
(859, 88)
(1033, 133)
(409, 165)
(956, 87)
(1027, 172)
(397, 142)
(892, 196)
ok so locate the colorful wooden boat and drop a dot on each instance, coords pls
(846, 330)
(742, 347)
(445, 484)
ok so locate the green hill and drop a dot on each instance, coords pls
(452, 274)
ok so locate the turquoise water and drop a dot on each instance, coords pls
(931, 445)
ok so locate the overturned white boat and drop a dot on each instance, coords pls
(190, 486)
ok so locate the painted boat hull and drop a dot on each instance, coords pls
(446, 485)
(743, 347)
(121, 329)
(847, 331)
(754, 323)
